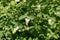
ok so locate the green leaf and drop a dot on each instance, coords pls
(58, 8)
(29, 38)
(12, 3)
(1, 34)
(23, 16)
(57, 13)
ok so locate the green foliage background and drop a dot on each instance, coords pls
(13, 14)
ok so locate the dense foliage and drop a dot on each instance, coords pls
(29, 19)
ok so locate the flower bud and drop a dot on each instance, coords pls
(27, 20)
(15, 29)
(17, 0)
(24, 0)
